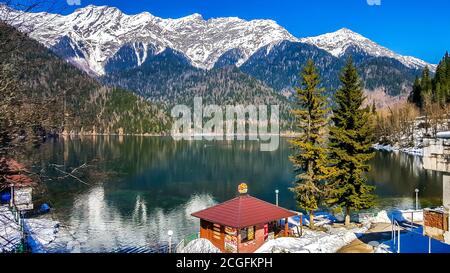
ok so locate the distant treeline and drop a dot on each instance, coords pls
(428, 89)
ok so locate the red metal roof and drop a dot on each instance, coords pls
(13, 174)
(243, 211)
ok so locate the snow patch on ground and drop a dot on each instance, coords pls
(48, 236)
(10, 235)
(382, 248)
(42, 233)
(399, 215)
(328, 241)
(200, 246)
(381, 217)
(408, 150)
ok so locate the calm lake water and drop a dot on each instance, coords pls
(140, 187)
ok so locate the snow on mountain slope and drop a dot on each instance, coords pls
(92, 35)
(336, 43)
(96, 33)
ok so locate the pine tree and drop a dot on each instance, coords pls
(441, 81)
(310, 158)
(351, 138)
(426, 82)
(416, 93)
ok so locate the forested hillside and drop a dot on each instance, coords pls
(169, 79)
(426, 112)
(42, 94)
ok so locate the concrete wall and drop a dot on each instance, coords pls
(446, 203)
(436, 154)
(446, 192)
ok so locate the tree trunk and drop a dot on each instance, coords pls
(311, 219)
(347, 217)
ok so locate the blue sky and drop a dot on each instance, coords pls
(410, 27)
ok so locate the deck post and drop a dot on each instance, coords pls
(429, 244)
(301, 223)
(11, 199)
(393, 231)
(286, 227)
(300, 219)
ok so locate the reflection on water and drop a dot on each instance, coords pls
(144, 186)
(397, 175)
(100, 226)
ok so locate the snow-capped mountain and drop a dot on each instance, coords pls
(337, 43)
(103, 40)
(96, 33)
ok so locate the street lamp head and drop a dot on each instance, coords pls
(416, 190)
(277, 191)
(170, 232)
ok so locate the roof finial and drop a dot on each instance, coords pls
(242, 188)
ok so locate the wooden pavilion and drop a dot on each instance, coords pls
(242, 224)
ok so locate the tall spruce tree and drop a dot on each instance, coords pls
(426, 82)
(310, 158)
(351, 138)
(416, 94)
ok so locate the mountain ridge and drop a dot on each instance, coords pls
(99, 32)
(337, 43)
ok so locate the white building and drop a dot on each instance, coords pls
(436, 156)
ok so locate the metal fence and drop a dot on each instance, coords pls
(408, 237)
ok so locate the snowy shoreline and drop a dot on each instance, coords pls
(332, 237)
(44, 234)
(329, 241)
(408, 150)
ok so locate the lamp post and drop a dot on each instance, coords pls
(417, 198)
(170, 233)
(276, 197)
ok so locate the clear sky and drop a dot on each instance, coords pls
(420, 28)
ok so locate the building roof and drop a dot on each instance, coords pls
(12, 175)
(243, 211)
